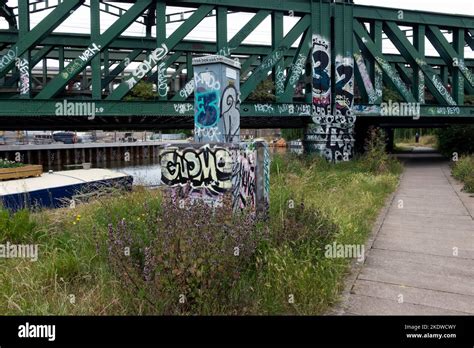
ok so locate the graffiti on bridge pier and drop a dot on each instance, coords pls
(209, 172)
(230, 109)
(321, 76)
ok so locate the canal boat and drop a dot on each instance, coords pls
(62, 188)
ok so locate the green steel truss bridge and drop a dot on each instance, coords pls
(331, 67)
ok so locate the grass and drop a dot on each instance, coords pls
(424, 141)
(463, 170)
(313, 203)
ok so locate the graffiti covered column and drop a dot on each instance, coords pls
(342, 129)
(217, 101)
(331, 135)
(316, 135)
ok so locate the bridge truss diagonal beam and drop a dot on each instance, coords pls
(392, 76)
(79, 64)
(42, 29)
(434, 83)
(168, 45)
(448, 53)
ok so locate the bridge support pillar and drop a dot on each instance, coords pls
(332, 75)
(217, 163)
(216, 101)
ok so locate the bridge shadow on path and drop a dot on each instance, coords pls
(420, 257)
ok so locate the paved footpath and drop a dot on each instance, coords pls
(421, 261)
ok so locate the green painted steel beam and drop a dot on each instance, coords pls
(298, 6)
(279, 69)
(95, 62)
(41, 30)
(269, 62)
(363, 78)
(434, 83)
(418, 85)
(25, 58)
(221, 28)
(376, 71)
(170, 43)
(391, 75)
(16, 109)
(462, 73)
(80, 63)
(297, 67)
(469, 37)
(75, 42)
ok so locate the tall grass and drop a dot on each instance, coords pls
(281, 270)
(463, 170)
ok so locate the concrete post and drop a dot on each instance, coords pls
(216, 101)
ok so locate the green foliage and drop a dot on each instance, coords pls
(390, 94)
(141, 91)
(458, 138)
(469, 99)
(264, 92)
(292, 134)
(376, 159)
(4, 163)
(463, 170)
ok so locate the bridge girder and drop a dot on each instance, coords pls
(99, 60)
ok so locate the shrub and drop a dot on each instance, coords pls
(459, 139)
(4, 163)
(463, 170)
(194, 254)
(376, 159)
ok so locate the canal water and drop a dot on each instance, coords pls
(148, 173)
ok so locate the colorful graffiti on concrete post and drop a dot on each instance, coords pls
(217, 110)
(244, 190)
(230, 114)
(208, 172)
(332, 134)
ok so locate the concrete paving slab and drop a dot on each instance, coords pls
(437, 299)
